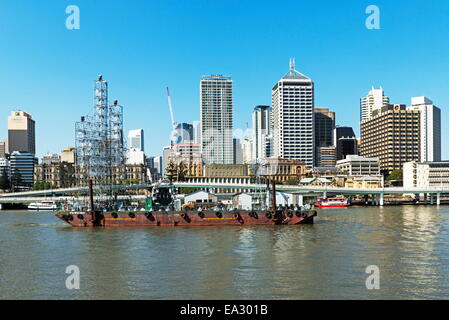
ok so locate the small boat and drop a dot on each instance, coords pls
(44, 205)
(334, 202)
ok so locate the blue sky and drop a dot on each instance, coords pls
(142, 46)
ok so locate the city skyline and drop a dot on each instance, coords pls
(64, 93)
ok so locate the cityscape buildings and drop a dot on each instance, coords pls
(136, 139)
(430, 128)
(261, 132)
(216, 119)
(345, 142)
(374, 100)
(293, 117)
(21, 132)
(433, 174)
(22, 164)
(392, 134)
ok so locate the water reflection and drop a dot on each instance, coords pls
(323, 261)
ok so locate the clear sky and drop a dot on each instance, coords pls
(142, 46)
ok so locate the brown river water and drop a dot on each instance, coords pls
(327, 260)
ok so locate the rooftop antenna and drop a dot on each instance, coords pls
(292, 65)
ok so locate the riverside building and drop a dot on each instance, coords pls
(392, 134)
(293, 117)
(216, 119)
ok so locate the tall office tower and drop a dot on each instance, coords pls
(22, 163)
(197, 132)
(238, 151)
(183, 133)
(247, 150)
(374, 100)
(293, 104)
(324, 127)
(216, 119)
(136, 139)
(393, 136)
(2, 149)
(430, 134)
(345, 142)
(261, 131)
(21, 136)
(158, 165)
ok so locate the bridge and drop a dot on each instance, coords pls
(377, 194)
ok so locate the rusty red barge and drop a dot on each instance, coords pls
(217, 217)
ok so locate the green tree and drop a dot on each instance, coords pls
(395, 175)
(5, 183)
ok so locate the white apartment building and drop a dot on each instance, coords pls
(247, 151)
(4, 164)
(136, 139)
(355, 165)
(293, 117)
(374, 100)
(216, 119)
(261, 132)
(426, 174)
(430, 128)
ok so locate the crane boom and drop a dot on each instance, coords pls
(170, 106)
(173, 122)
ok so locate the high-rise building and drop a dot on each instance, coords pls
(183, 133)
(345, 142)
(261, 131)
(392, 134)
(22, 164)
(293, 117)
(21, 134)
(197, 132)
(216, 119)
(324, 127)
(430, 134)
(374, 100)
(5, 166)
(238, 151)
(2, 149)
(247, 151)
(136, 139)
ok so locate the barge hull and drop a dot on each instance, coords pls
(205, 218)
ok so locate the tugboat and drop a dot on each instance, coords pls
(335, 202)
(163, 213)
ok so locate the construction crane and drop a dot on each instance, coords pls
(173, 122)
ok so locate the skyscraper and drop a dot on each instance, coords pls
(430, 128)
(197, 132)
(21, 135)
(324, 127)
(345, 142)
(293, 117)
(216, 119)
(261, 131)
(136, 139)
(392, 135)
(184, 133)
(374, 100)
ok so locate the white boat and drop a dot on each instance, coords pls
(44, 205)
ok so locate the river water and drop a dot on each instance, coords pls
(328, 260)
